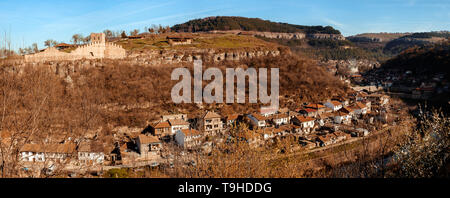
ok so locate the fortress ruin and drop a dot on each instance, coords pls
(97, 49)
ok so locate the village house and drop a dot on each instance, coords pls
(318, 107)
(350, 111)
(268, 111)
(177, 125)
(324, 118)
(257, 120)
(340, 117)
(211, 123)
(266, 133)
(91, 153)
(307, 123)
(308, 112)
(188, 138)
(359, 108)
(344, 101)
(361, 96)
(161, 129)
(47, 152)
(148, 145)
(232, 119)
(332, 138)
(334, 105)
(280, 119)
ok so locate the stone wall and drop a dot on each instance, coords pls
(94, 50)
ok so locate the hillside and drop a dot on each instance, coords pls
(391, 44)
(248, 24)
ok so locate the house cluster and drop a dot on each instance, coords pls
(85, 153)
(313, 125)
(418, 86)
(316, 124)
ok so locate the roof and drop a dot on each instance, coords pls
(315, 106)
(309, 110)
(360, 105)
(340, 113)
(211, 114)
(164, 124)
(63, 45)
(91, 147)
(325, 115)
(178, 122)
(50, 148)
(232, 117)
(347, 109)
(259, 117)
(335, 103)
(280, 116)
(143, 139)
(190, 132)
(304, 118)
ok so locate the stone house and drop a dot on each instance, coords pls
(176, 125)
(91, 153)
(188, 138)
(161, 129)
(148, 145)
(340, 117)
(211, 123)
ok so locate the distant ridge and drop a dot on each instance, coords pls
(224, 23)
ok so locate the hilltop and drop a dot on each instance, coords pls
(225, 23)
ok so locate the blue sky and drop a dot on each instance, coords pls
(32, 21)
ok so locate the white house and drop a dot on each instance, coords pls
(188, 138)
(307, 123)
(50, 152)
(280, 119)
(268, 111)
(178, 124)
(257, 120)
(91, 153)
(335, 105)
(342, 117)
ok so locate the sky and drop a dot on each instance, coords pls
(34, 21)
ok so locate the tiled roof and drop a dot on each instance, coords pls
(177, 122)
(304, 118)
(91, 147)
(50, 148)
(259, 117)
(164, 124)
(143, 139)
(211, 114)
(315, 106)
(190, 132)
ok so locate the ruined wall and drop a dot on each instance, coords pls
(96, 50)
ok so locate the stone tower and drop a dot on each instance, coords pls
(98, 38)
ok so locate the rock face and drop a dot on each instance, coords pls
(65, 68)
(354, 66)
(187, 56)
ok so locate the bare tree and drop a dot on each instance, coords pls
(76, 38)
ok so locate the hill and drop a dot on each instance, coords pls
(225, 23)
(391, 44)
